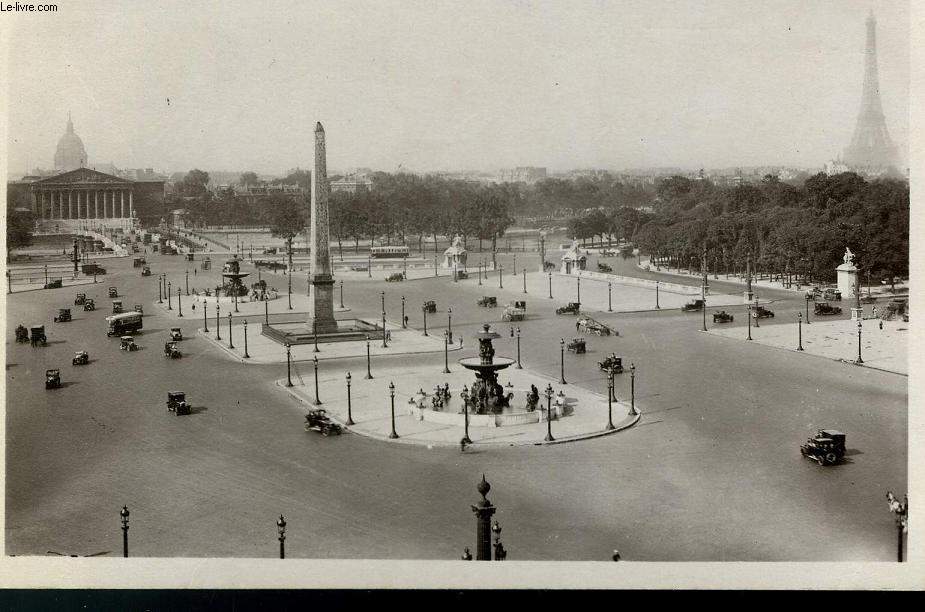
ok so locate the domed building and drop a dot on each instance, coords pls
(71, 153)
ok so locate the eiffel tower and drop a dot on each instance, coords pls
(871, 147)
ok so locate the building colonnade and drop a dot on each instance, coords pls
(77, 203)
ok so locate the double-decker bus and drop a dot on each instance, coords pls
(391, 251)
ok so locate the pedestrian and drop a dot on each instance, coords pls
(881, 323)
(577, 326)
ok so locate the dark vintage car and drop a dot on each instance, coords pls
(52, 379)
(824, 308)
(693, 305)
(827, 447)
(139, 309)
(430, 306)
(614, 361)
(22, 334)
(137, 262)
(570, 308)
(576, 345)
(80, 358)
(92, 268)
(89, 305)
(602, 267)
(189, 257)
(722, 317)
(397, 277)
(80, 300)
(64, 315)
(146, 271)
(462, 275)
(318, 420)
(833, 295)
(127, 343)
(171, 350)
(760, 312)
(176, 403)
(117, 307)
(488, 301)
(176, 334)
(113, 292)
(37, 335)
(54, 284)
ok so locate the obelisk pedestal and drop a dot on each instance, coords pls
(321, 302)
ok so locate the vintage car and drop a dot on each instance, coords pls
(760, 312)
(113, 292)
(54, 284)
(520, 304)
(814, 294)
(488, 301)
(189, 257)
(80, 300)
(722, 317)
(206, 264)
(318, 420)
(571, 308)
(176, 403)
(80, 358)
(117, 307)
(831, 294)
(894, 307)
(824, 308)
(92, 268)
(52, 379)
(868, 299)
(588, 325)
(693, 305)
(139, 309)
(146, 271)
(175, 334)
(137, 262)
(22, 334)
(602, 267)
(127, 343)
(462, 275)
(607, 253)
(513, 313)
(89, 305)
(576, 345)
(827, 447)
(397, 277)
(359, 268)
(611, 361)
(171, 350)
(37, 335)
(64, 315)
(430, 306)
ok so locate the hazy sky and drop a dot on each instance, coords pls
(440, 85)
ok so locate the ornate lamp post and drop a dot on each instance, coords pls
(562, 361)
(446, 352)
(384, 341)
(519, 367)
(514, 273)
(449, 322)
(500, 553)
(392, 435)
(799, 331)
(480, 274)
(205, 317)
(748, 317)
(341, 293)
(404, 325)
(550, 285)
(610, 426)
(246, 356)
(549, 395)
(901, 512)
(369, 373)
(807, 309)
(525, 278)
(230, 342)
(218, 321)
(281, 530)
(169, 295)
(124, 516)
(424, 310)
(317, 401)
(464, 395)
(349, 402)
(187, 281)
(859, 361)
(756, 313)
(500, 275)
(632, 388)
(288, 365)
(609, 303)
(180, 302)
(578, 290)
(657, 307)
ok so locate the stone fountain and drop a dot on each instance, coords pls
(232, 274)
(487, 394)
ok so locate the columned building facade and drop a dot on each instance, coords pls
(84, 195)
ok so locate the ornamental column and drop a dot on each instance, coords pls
(96, 203)
(131, 204)
(122, 204)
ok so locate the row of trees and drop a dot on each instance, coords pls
(785, 228)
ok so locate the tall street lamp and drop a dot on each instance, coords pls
(205, 317)
(562, 361)
(369, 373)
(266, 311)
(657, 307)
(160, 278)
(187, 281)
(859, 361)
(549, 394)
(218, 321)
(578, 289)
(281, 530)
(124, 516)
(424, 310)
(392, 435)
(464, 395)
(317, 401)
(404, 324)
(349, 402)
(901, 512)
(230, 341)
(180, 302)
(169, 296)
(799, 331)
(633, 388)
(807, 309)
(500, 275)
(610, 426)
(550, 285)
(480, 274)
(446, 352)
(525, 279)
(519, 367)
(246, 356)
(384, 342)
(341, 293)
(288, 365)
(609, 303)
(748, 318)
(449, 322)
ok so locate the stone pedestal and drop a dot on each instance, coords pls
(747, 297)
(321, 306)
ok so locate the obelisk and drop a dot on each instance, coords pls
(321, 303)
